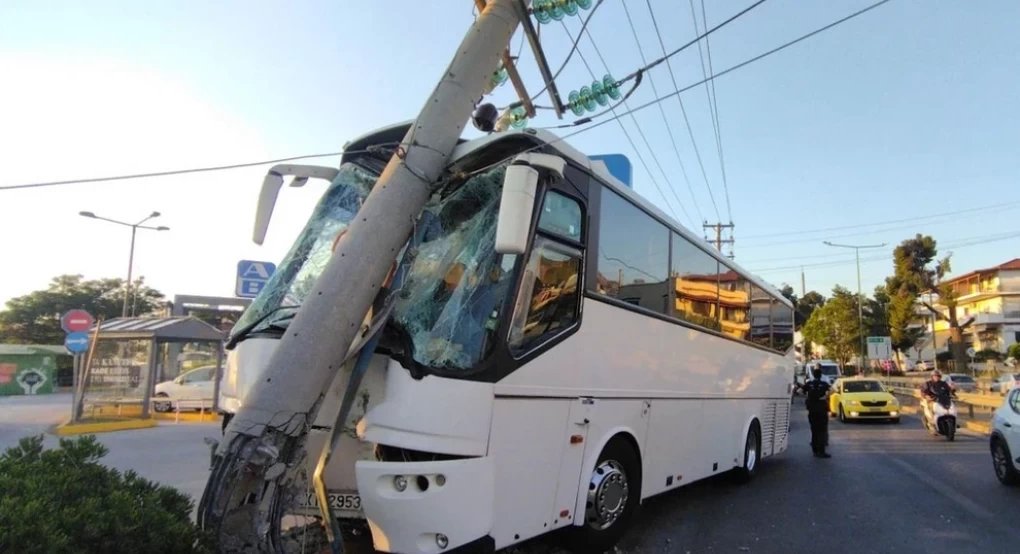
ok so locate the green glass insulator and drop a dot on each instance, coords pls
(598, 93)
(584, 4)
(556, 9)
(499, 76)
(518, 117)
(569, 7)
(586, 99)
(612, 89)
(542, 9)
(574, 101)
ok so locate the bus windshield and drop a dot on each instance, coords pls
(457, 285)
(277, 303)
(455, 288)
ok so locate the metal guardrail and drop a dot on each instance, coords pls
(192, 404)
(911, 387)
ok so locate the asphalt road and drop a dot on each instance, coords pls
(888, 488)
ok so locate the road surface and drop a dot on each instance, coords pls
(888, 488)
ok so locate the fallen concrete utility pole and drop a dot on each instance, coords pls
(261, 455)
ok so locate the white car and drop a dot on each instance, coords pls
(196, 384)
(1005, 382)
(1005, 441)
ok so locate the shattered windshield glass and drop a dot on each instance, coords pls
(296, 275)
(457, 284)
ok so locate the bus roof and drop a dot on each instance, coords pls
(396, 131)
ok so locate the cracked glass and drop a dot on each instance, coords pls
(457, 284)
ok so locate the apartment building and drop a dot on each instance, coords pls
(990, 298)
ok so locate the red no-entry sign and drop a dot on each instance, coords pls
(76, 321)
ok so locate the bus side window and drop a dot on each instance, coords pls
(548, 301)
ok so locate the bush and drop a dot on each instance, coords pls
(1014, 351)
(987, 354)
(64, 501)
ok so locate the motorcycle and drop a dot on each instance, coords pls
(946, 423)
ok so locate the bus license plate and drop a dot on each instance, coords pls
(342, 501)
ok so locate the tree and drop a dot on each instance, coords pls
(917, 271)
(35, 317)
(876, 313)
(64, 501)
(835, 326)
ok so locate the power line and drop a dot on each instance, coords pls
(627, 134)
(713, 105)
(683, 110)
(174, 172)
(911, 226)
(662, 111)
(962, 243)
(573, 48)
(640, 71)
(887, 222)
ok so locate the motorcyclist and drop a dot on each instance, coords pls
(933, 390)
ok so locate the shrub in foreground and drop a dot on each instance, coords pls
(64, 501)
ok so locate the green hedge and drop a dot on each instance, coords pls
(64, 501)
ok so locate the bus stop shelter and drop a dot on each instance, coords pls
(128, 356)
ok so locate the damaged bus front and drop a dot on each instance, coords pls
(445, 316)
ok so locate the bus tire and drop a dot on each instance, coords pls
(614, 493)
(745, 472)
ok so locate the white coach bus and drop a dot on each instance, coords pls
(615, 357)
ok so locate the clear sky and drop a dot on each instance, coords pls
(910, 111)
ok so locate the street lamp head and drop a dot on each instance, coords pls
(161, 228)
(87, 214)
(154, 214)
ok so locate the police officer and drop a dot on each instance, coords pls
(817, 392)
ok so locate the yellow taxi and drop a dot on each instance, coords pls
(856, 399)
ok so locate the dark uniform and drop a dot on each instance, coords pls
(818, 414)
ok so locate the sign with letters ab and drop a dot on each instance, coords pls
(251, 277)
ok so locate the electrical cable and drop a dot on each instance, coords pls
(713, 102)
(662, 111)
(631, 141)
(963, 243)
(187, 171)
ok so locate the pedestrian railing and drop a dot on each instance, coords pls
(200, 405)
(911, 387)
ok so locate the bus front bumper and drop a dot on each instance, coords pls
(427, 507)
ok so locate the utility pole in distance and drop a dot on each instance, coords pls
(274, 421)
(719, 241)
(860, 298)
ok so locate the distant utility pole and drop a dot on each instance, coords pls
(719, 241)
(803, 285)
(275, 419)
(860, 298)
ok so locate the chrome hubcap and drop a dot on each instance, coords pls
(752, 450)
(608, 492)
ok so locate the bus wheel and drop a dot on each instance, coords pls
(613, 495)
(752, 455)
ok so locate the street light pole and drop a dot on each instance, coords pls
(131, 256)
(860, 297)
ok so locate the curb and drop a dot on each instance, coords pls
(67, 429)
(171, 416)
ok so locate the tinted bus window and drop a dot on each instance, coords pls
(734, 304)
(633, 257)
(761, 306)
(695, 282)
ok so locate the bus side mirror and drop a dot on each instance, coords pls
(271, 189)
(517, 204)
